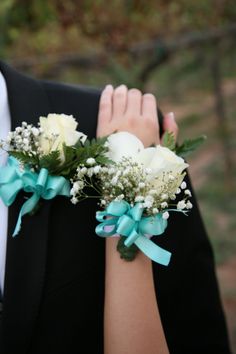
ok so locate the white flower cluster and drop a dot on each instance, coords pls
(152, 177)
(130, 181)
(83, 179)
(25, 139)
(52, 133)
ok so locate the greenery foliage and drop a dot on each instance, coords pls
(73, 156)
(127, 253)
(102, 25)
(186, 148)
(189, 145)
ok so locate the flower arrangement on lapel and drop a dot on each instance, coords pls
(42, 160)
(136, 187)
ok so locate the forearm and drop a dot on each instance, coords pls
(131, 317)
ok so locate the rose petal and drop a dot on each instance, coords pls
(123, 144)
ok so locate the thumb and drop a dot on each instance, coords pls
(170, 125)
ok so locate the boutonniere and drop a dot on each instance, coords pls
(138, 190)
(42, 160)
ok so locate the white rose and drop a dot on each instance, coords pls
(58, 129)
(157, 159)
(123, 144)
(161, 160)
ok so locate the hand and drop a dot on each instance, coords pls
(121, 109)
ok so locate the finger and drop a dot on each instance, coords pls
(119, 101)
(149, 109)
(170, 125)
(134, 100)
(105, 108)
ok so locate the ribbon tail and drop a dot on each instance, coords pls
(153, 251)
(131, 238)
(26, 208)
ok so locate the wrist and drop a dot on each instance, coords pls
(113, 255)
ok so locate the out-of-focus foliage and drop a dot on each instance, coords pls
(62, 25)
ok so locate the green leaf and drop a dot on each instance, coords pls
(168, 140)
(189, 145)
(51, 162)
(127, 253)
(73, 157)
(79, 153)
(69, 153)
(24, 158)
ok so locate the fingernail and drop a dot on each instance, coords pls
(121, 87)
(171, 115)
(108, 87)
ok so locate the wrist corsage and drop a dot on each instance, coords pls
(137, 190)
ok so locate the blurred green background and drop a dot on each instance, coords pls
(183, 51)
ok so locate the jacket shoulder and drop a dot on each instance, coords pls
(80, 101)
(56, 90)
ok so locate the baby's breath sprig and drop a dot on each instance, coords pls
(23, 144)
(36, 148)
(130, 181)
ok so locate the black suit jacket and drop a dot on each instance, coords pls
(54, 282)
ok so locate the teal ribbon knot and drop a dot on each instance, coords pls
(129, 221)
(42, 185)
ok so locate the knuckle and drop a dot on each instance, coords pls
(118, 94)
(132, 120)
(104, 104)
(152, 124)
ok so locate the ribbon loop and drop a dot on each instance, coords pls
(136, 212)
(42, 180)
(42, 185)
(129, 222)
(125, 225)
(117, 208)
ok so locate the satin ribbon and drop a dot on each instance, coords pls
(42, 185)
(129, 221)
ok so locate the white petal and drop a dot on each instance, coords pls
(145, 156)
(123, 144)
(71, 137)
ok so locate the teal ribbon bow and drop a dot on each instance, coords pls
(129, 221)
(42, 185)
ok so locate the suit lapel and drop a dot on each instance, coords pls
(26, 253)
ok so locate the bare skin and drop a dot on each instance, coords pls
(132, 322)
(128, 110)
